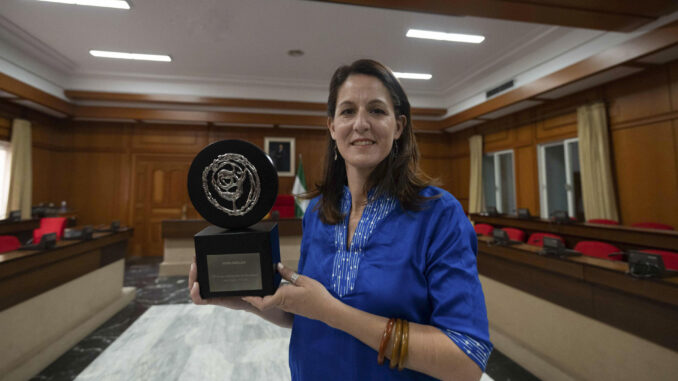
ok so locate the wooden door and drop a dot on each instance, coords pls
(160, 193)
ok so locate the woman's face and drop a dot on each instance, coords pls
(364, 124)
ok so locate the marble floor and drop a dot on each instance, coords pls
(132, 337)
(188, 342)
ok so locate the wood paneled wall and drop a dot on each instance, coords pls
(643, 114)
(643, 121)
(136, 172)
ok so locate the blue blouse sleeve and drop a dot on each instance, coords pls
(456, 296)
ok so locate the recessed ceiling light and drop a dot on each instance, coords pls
(295, 53)
(118, 4)
(131, 56)
(412, 75)
(441, 36)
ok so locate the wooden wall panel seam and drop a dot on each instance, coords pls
(669, 80)
(555, 138)
(652, 119)
(56, 148)
(555, 126)
(441, 157)
(674, 124)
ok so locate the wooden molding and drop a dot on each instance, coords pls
(36, 95)
(594, 14)
(423, 111)
(219, 117)
(193, 100)
(198, 116)
(426, 125)
(672, 115)
(640, 65)
(214, 101)
(646, 44)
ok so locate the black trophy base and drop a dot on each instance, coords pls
(238, 262)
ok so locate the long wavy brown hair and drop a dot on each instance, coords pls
(398, 175)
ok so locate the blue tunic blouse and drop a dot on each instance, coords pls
(419, 266)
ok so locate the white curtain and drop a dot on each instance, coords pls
(594, 158)
(476, 201)
(5, 162)
(21, 170)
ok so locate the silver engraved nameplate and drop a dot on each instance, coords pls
(233, 272)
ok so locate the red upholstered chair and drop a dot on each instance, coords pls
(50, 225)
(9, 243)
(602, 221)
(284, 205)
(484, 229)
(652, 225)
(670, 258)
(597, 249)
(537, 239)
(515, 234)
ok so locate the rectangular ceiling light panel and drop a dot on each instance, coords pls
(131, 56)
(412, 75)
(442, 36)
(118, 4)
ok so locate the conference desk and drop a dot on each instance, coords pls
(578, 317)
(26, 273)
(594, 287)
(51, 299)
(22, 229)
(625, 237)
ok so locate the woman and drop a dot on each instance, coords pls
(378, 243)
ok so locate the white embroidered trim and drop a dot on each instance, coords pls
(347, 261)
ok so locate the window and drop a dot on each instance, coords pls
(499, 187)
(560, 178)
(4, 176)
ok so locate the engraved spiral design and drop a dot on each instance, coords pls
(227, 175)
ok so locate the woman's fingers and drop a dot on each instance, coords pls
(192, 275)
(233, 302)
(290, 275)
(265, 303)
(254, 301)
(193, 286)
(195, 294)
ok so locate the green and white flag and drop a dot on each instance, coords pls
(299, 188)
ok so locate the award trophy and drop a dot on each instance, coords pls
(233, 185)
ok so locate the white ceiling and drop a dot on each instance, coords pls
(232, 48)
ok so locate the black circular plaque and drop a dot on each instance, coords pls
(232, 184)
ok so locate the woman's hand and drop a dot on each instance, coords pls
(303, 296)
(233, 302)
